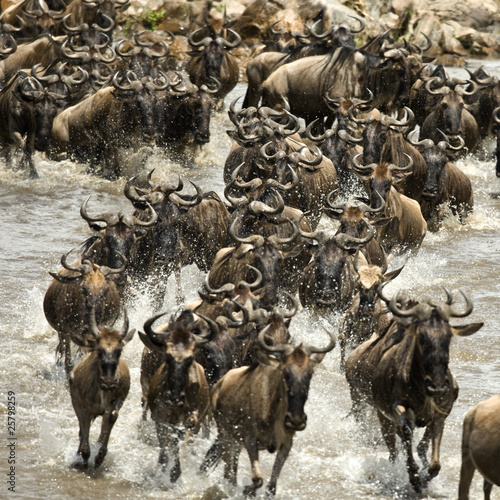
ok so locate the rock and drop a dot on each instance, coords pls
(449, 43)
(402, 7)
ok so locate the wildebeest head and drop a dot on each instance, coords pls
(140, 100)
(370, 277)
(107, 343)
(297, 365)
(381, 177)
(178, 340)
(119, 234)
(389, 77)
(264, 254)
(188, 111)
(452, 103)
(428, 335)
(168, 203)
(436, 157)
(144, 55)
(331, 257)
(101, 10)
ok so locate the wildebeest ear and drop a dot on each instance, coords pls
(466, 330)
(393, 274)
(317, 358)
(265, 359)
(153, 346)
(84, 341)
(129, 336)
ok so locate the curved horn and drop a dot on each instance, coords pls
(317, 138)
(362, 25)
(309, 349)
(106, 218)
(205, 41)
(442, 91)
(237, 40)
(256, 239)
(156, 337)
(443, 145)
(461, 91)
(149, 223)
(298, 156)
(214, 330)
(282, 349)
(291, 312)
(276, 241)
(84, 268)
(258, 207)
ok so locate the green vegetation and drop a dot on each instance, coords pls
(151, 19)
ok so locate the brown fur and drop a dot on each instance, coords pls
(481, 446)
(251, 408)
(91, 398)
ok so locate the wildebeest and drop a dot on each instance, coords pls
(185, 112)
(329, 279)
(231, 263)
(446, 184)
(367, 315)
(191, 229)
(451, 116)
(337, 144)
(214, 61)
(99, 384)
(78, 289)
(346, 72)
(118, 235)
(178, 393)
(27, 112)
(383, 141)
(143, 57)
(406, 228)
(118, 116)
(92, 11)
(36, 16)
(481, 446)
(261, 407)
(263, 65)
(403, 373)
(43, 50)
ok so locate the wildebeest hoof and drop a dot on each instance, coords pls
(416, 483)
(249, 491)
(433, 470)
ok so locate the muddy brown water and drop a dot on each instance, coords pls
(332, 458)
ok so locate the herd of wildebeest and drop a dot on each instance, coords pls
(342, 157)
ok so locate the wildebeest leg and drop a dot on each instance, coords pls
(230, 454)
(468, 468)
(108, 420)
(212, 457)
(175, 471)
(253, 455)
(342, 343)
(68, 359)
(406, 433)
(84, 448)
(27, 158)
(388, 429)
(435, 433)
(423, 446)
(281, 457)
(487, 487)
(162, 431)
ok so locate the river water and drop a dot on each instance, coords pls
(331, 459)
